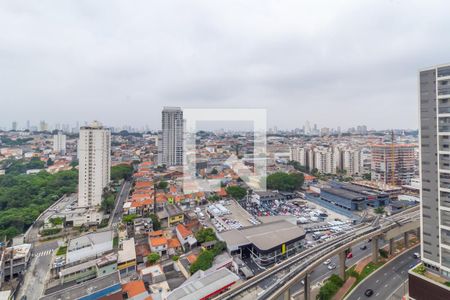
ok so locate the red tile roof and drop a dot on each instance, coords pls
(184, 232)
(134, 288)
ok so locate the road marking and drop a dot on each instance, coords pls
(386, 285)
(377, 294)
(385, 274)
(43, 253)
(378, 280)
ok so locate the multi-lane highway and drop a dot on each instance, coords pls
(273, 281)
(386, 280)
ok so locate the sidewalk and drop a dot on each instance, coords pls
(351, 280)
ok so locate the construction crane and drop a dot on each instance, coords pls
(393, 181)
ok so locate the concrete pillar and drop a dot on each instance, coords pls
(307, 287)
(342, 265)
(287, 294)
(391, 247)
(406, 239)
(375, 249)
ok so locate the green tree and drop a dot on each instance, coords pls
(204, 261)
(379, 210)
(50, 162)
(155, 221)
(23, 197)
(56, 221)
(162, 185)
(122, 171)
(205, 235)
(107, 204)
(153, 257)
(284, 181)
(213, 198)
(367, 176)
(236, 192)
(129, 218)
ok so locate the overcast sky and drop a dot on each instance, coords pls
(334, 63)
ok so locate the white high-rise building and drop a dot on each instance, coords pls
(170, 147)
(323, 160)
(94, 151)
(299, 154)
(59, 143)
(351, 161)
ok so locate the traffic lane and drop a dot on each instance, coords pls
(122, 197)
(322, 272)
(52, 245)
(388, 279)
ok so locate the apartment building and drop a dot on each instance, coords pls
(393, 163)
(299, 154)
(14, 261)
(351, 161)
(434, 103)
(59, 143)
(324, 160)
(94, 150)
(170, 146)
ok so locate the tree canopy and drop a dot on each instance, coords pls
(284, 181)
(122, 171)
(236, 192)
(205, 235)
(23, 197)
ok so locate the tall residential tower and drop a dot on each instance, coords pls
(170, 150)
(94, 147)
(434, 104)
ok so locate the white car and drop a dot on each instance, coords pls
(331, 267)
(327, 262)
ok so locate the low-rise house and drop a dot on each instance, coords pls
(89, 270)
(135, 290)
(153, 274)
(175, 215)
(158, 245)
(89, 246)
(185, 236)
(126, 261)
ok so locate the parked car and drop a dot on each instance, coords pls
(331, 266)
(349, 255)
(327, 262)
(416, 255)
(363, 247)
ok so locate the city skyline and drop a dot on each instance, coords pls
(298, 61)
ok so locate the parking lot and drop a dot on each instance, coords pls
(304, 211)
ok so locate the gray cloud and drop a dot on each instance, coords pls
(335, 63)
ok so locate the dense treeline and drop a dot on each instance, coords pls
(20, 166)
(24, 197)
(6, 141)
(122, 171)
(284, 181)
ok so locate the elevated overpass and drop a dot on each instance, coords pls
(300, 266)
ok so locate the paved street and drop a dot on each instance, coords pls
(36, 274)
(59, 206)
(124, 192)
(388, 279)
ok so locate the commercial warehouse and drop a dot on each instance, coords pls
(265, 243)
